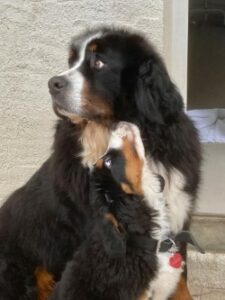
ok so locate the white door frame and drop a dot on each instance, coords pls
(176, 42)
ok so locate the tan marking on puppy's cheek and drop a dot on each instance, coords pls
(125, 187)
(118, 226)
(134, 166)
(110, 217)
(45, 283)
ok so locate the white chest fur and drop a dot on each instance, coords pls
(177, 200)
(167, 276)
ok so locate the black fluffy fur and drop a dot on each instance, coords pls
(43, 222)
(108, 265)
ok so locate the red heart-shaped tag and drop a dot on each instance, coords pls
(176, 260)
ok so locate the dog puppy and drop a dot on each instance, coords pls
(122, 258)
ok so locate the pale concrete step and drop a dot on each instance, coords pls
(206, 272)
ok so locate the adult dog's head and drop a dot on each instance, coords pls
(114, 75)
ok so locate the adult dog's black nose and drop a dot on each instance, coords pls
(57, 84)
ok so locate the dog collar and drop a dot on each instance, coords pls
(169, 244)
(150, 244)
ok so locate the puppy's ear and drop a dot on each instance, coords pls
(157, 98)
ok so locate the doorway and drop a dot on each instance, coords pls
(206, 96)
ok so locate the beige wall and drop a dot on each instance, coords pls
(34, 37)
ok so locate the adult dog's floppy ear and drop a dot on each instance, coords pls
(157, 98)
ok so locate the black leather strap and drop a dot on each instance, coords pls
(150, 244)
(153, 245)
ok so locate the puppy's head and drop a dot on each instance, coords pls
(122, 176)
(122, 165)
(118, 174)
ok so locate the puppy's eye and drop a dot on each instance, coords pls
(98, 64)
(108, 162)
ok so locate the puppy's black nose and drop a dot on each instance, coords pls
(57, 84)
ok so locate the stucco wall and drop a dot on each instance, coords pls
(34, 37)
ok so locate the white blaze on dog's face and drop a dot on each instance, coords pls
(125, 158)
(67, 89)
(76, 78)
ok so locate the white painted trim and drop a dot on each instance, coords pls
(176, 42)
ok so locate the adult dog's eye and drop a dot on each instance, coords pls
(98, 64)
(108, 162)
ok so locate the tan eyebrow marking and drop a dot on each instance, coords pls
(93, 47)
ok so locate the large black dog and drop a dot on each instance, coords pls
(123, 256)
(114, 75)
